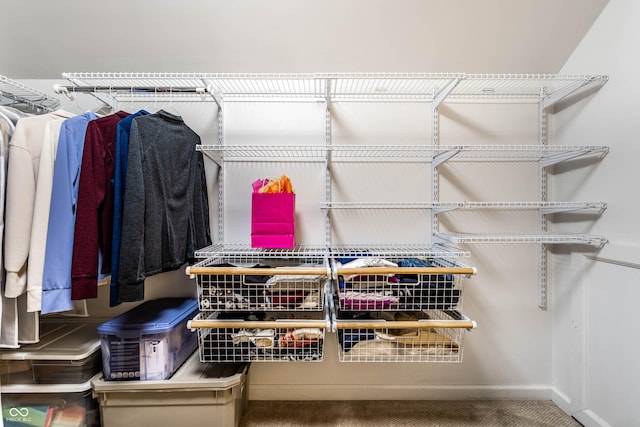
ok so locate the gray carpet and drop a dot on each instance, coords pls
(405, 413)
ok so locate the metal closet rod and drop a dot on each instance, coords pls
(68, 91)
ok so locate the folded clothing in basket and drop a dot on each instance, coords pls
(258, 337)
(377, 348)
(243, 345)
(232, 292)
(439, 280)
(396, 342)
(400, 297)
(283, 282)
(396, 291)
(351, 300)
(363, 281)
(300, 337)
(236, 280)
(426, 298)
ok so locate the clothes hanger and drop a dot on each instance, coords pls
(8, 118)
(170, 108)
(103, 108)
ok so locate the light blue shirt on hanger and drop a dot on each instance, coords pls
(56, 286)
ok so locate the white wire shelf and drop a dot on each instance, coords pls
(254, 85)
(396, 251)
(543, 238)
(415, 153)
(226, 250)
(388, 86)
(25, 98)
(229, 250)
(247, 153)
(524, 86)
(436, 206)
(547, 154)
(544, 207)
(439, 207)
(354, 86)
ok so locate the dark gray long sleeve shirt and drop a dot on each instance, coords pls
(165, 214)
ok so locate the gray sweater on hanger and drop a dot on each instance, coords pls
(165, 212)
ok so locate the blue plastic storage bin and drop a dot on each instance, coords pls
(150, 341)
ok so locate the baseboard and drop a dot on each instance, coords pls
(586, 417)
(396, 392)
(589, 419)
(561, 400)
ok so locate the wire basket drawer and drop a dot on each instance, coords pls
(221, 339)
(436, 337)
(262, 285)
(379, 285)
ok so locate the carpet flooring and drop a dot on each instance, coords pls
(405, 414)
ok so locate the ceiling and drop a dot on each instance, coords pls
(43, 39)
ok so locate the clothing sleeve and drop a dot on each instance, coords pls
(56, 284)
(56, 273)
(200, 207)
(131, 263)
(121, 148)
(84, 261)
(3, 180)
(21, 188)
(40, 225)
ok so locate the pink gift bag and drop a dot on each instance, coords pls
(273, 220)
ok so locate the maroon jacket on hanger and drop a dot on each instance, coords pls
(94, 214)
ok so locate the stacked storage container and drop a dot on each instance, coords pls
(197, 394)
(49, 383)
(153, 376)
(150, 341)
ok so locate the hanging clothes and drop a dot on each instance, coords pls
(22, 180)
(56, 284)
(119, 179)
(165, 213)
(8, 308)
(41, 215)
(94, 210)
(12, 115)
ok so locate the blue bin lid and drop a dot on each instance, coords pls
(151, 317)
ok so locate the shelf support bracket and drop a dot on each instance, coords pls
(447, 207)
(442, 95)
(555, 97)
(561, 157)
(442, 157)
(327, 94)
(215, 96)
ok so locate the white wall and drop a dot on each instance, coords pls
(287, 36)
(594, 321)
